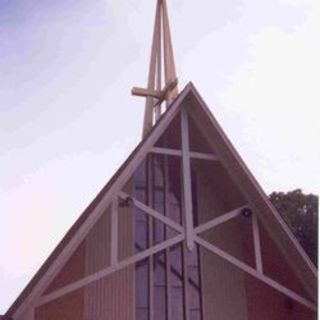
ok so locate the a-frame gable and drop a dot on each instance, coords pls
(186, 115)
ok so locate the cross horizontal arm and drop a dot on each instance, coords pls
(140, 92)
(218, 220)
(244, 267)
(105, 272)
(153, 213)
(158, 94)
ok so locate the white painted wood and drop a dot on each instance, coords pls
(150, 236)
(186, 304)
(270, 282)
(166, 151)
(141, 92)
(148, 115)
(97, 257)
(105, 272)
(170, 72)
(256, 243)
(153, 213)
(168, 264)
(218, 220)
(203, 156)
(178, 153)
(159, 66)
(114, 232)
(186, 177)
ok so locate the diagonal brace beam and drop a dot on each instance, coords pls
(105, 272)
(218, 220)
(244, 267)
(151, 212)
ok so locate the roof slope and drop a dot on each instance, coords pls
(270, 218)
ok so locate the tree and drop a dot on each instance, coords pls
(300, 212)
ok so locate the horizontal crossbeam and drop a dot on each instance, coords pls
(244, 267)
(158, 94)
(151, 212)
(218, 220)
(107, 271)
(140, 92)
(178, 153)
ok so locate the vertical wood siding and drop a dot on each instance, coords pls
(224, 296)
(110, 298)
(265, 303)
(70, 306)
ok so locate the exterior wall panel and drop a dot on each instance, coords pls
(265, 303)
(110, 297)
(70, 306)
(224, 296)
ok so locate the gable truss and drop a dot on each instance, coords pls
(187, 233)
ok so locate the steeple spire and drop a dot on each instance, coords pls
(161, 65)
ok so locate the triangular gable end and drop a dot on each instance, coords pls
(162, 180)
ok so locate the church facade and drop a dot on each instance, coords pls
(182, 231)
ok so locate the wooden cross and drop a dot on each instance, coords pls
(161, 58)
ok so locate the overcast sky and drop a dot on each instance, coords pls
(67, 120)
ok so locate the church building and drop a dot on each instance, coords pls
(182, 231)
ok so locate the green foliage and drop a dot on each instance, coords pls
(300, 212)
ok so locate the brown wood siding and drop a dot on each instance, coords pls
(73, 270)
(68, 307)
(224, 295)
(265, 303)
(29, 315)
(277, 267)
(97, 258)
(71, 305)
(110, 297)
(252, 191)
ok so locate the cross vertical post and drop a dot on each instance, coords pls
(161, 62)
(186, 180)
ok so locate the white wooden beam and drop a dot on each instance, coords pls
(244, 267)
(153, 213)
(203, 156)
(166, 151)
(148, 115)
(186, 180)
(141, 92)
(218, 220)
(159, 66)
(105, 272)
(178, 153)
(168, 263)
(256, 243)
(149, 163)
(186, 294)
(170, 71)
(114, 232)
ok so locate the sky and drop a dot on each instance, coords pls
(68, 121)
